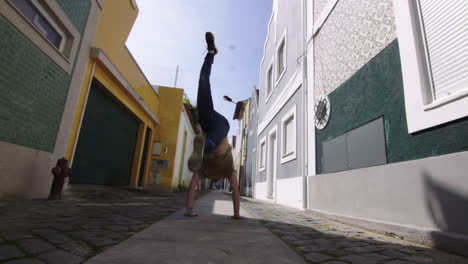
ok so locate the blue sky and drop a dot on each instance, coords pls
(168, 33)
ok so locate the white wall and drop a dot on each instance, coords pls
(261, 191)
(24, 171)
(289, 192)
(428, 193)
(184, 125)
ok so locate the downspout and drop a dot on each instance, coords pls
(304, 106)
(72, 156)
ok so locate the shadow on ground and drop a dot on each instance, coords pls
(320, 240)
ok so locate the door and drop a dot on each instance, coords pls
(271, 170)
(106, 143)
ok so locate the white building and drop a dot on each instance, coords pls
(280, 177)
(186, 134)
(382, 86)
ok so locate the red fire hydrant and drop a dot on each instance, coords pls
(60, 172)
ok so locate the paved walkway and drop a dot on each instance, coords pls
(212, 237)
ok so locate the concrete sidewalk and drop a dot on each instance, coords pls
(212, 237)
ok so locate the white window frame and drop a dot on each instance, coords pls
(286, 157)
(421, 113)
(262, 159)
(279, 75)
(52, 22)
(270, 67)
(65, 54)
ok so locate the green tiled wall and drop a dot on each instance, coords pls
(77, 11)
(33, 91)
(377, 90)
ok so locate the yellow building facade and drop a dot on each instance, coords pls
(117, 117)
(171, 107)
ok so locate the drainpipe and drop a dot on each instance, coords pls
(72, 157)
(304, 104)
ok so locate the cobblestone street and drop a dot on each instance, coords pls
(92, 219)
(89, 220)
(321, 240)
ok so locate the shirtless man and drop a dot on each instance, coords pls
(212, 154)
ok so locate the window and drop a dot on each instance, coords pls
(37, 16)
(443, 27)
(281, 59)
(46, 25)
(289, 136)
(359, 148)
(262, 154)
(269, 81)
(432, 38)
(288, 145)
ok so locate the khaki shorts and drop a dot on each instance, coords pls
(217, 167)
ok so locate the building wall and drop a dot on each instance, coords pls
(245, 125)
(243, 181)
(251, 154)
(377, 88)
(287, 21)
(236, 152)
(121, 76)
(119, 15)
(420, 193)
(287, 94)
(292, 168)
(76, 11)
(38, 86)
(122, 15)
(354, 32)
(171, 107)
(422, 200)
(185, 176)
(33, 90)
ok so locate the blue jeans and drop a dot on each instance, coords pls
(215, 125)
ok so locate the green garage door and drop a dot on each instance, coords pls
(106, 144)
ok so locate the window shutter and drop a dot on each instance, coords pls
(445, 26)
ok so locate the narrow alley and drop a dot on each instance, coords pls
(236, 131)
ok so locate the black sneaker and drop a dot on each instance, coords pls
(210, 42)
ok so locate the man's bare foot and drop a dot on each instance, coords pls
(238, 217)
(190, 214)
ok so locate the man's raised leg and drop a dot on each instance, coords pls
(191, 195)
(235, 195)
